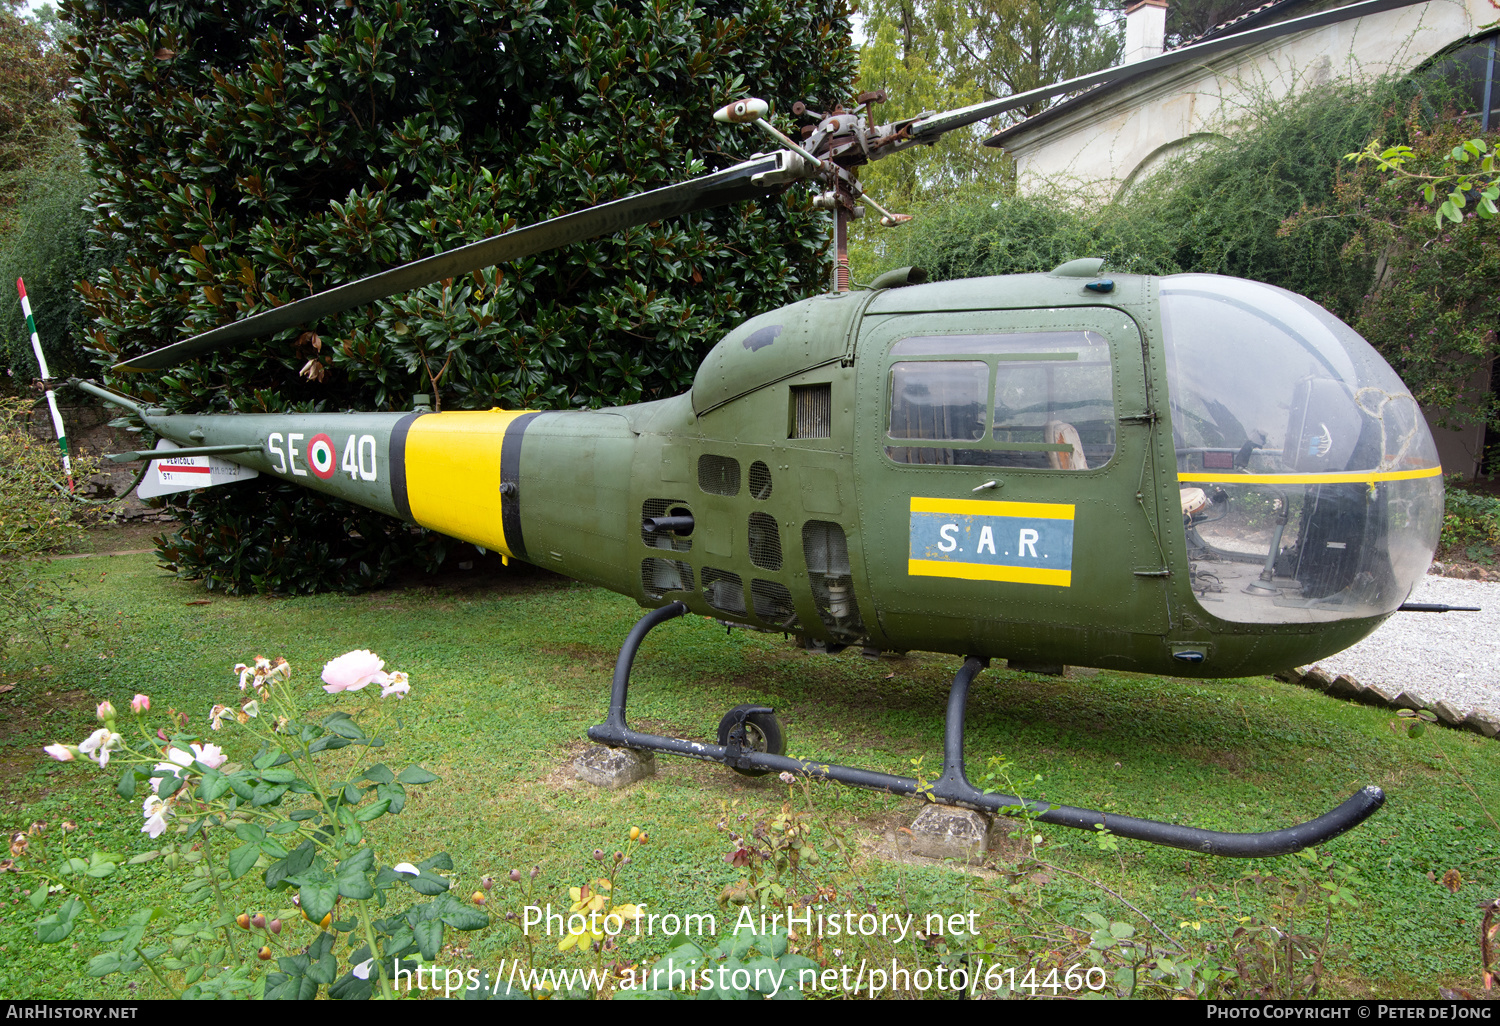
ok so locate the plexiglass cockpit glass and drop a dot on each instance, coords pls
(1310, 485)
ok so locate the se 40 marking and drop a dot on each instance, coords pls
(358, 459)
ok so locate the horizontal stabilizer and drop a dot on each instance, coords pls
(168, 474)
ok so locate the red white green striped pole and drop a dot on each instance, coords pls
(41, 362)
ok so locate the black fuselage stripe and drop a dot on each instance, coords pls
(398, 466)
(510, 474)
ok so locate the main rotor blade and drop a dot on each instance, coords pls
(721, 187)
(928, 129)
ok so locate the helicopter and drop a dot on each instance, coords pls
(1189, 475)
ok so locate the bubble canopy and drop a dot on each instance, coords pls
(1310, 485)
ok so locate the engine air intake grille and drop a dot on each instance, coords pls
(813, 411)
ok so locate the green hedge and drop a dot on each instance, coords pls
(252, 153)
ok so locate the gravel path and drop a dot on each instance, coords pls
(1452, 657)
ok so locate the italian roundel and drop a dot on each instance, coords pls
(320, 456)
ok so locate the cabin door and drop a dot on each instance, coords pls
(1006, 484)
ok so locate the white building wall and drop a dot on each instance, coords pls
(1098, 148)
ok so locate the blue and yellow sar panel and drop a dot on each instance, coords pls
(981, 540)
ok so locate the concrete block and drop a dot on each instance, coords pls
(1447, 715)
(1410, 700)
(614, 767)
(1482, 721)
(945, 832)
(1376, 694)
(1316, 678)
(1345, 686)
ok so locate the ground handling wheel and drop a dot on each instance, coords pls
(762, 733)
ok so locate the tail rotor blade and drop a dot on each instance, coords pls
(755, 177)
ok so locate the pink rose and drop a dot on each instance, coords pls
(353, 671)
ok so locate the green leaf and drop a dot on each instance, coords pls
(318, 892)
(416, 775)
(341, 724)
(274, 757)
(282, 986)
(58, 925)
(113, 962)
(352, 876)
(353, 832)
(372, 812)
(393, 793)
(249, 831)
(429, 937)
(458, 915)
(267, 794)
(298, 860)
(323, 969)
(379, 774)
(427, 883)
(243, 859)
(126, 787)
(351, 988)
(213, 785)
(38, 897)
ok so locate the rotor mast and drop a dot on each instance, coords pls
(833, 147)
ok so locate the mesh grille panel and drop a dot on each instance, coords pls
(719, 475)
(760, 481)
(773, 604)
(659, 576)
(667, 539)
(765, 542)
(724, 591)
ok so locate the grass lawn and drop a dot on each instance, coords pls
(510, 668)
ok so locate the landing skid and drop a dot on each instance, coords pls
(953, 787)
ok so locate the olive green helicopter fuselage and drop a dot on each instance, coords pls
(987, 467)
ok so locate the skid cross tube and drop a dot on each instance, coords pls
(953, 787)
